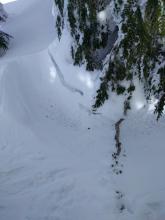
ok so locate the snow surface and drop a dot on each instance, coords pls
(55, 155)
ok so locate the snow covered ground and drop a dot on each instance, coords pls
(55, 156)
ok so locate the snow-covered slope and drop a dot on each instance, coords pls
(55, 156)
(24, 18)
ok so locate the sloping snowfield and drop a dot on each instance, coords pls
(55, 156)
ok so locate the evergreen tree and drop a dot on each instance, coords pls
(139, 50)
(83, 21)
(140, 53)
(60, 17)
(4, 38)
(4, 41)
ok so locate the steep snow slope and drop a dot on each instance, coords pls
(55, 156)
(25, 17)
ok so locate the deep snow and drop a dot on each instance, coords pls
(55, 155)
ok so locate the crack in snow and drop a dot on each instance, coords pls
(61, 77)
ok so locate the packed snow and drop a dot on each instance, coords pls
(55, 155)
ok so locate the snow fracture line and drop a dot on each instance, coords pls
(117, 136)
(61, 77)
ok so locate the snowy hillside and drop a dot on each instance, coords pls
(56, 158)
